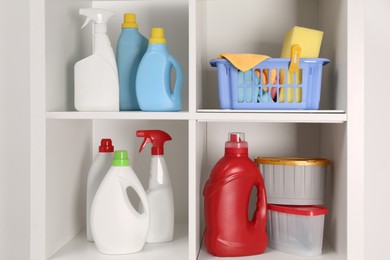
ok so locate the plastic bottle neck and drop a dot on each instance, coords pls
(236, 152)
(157, 151)
(100, 28)
(130, 29)
(101, 43)
(236, 145)
(157, 47)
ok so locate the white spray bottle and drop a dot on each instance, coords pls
(96, 77)
(159, 193)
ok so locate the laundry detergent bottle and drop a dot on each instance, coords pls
(96, 77)
(160, 196)
(229, 230)
(153, 82)
(130, 49)
(117, 227)
(99, 167)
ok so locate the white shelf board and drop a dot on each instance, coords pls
(138, 115)
(80, 249)
(327, 254)
(215, 115)
(294, 116)
(271, 111)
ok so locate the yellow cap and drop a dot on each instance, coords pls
(157, 36)
(129, 21)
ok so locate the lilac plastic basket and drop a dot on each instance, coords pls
(269, 85)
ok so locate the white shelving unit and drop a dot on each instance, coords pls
(65, 141)
(327, 254)
(123, 115)
(324, 116)
(80, 248)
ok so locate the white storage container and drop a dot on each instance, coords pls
(296, 230)
(294, 181)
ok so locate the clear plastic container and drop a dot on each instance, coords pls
(296, 230)
(294, 181)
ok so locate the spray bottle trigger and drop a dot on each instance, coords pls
(86, 22)
(146, 140)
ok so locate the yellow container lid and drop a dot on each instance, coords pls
(157, 36)
(292, 161)
(129, 21)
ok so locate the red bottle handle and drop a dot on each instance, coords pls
(260, 216)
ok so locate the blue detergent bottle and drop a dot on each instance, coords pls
(130, 49)
(153, 83)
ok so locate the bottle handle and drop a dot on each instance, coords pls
(261, 206)
(179, 78)
(139, 192)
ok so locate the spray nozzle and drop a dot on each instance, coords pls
(98, 16)
(156, 137)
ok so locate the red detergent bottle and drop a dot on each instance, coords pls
(229, 231)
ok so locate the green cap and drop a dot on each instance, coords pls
(120, 158)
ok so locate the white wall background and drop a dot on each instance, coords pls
(14, 125)
(377, 129)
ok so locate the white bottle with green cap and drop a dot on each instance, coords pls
(117, 227)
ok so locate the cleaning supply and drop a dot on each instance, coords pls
(153, 87)
(227, 192)
(117, 227)
(96, 77)
(269, 77)
(309, 41)
(130, 49)
(160, 196)
(99, 167)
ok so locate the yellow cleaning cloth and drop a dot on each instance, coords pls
(244, 62)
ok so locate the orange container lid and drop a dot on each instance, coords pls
(292, 161)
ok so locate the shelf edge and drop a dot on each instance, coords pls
(268, 117)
